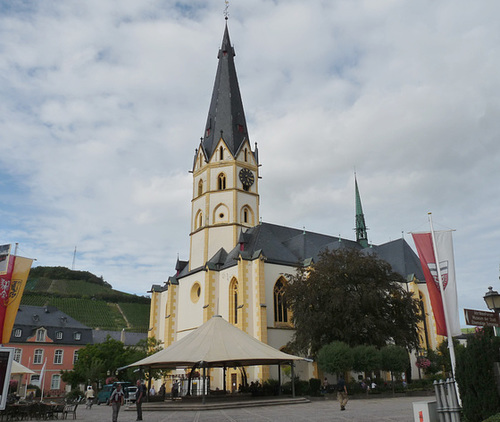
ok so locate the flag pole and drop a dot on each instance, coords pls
(451, 346)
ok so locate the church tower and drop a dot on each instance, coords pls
(225, 169)
(361, 234)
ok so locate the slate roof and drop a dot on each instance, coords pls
(289, 246)
(128, 338)
(30, 318)
(226, 117)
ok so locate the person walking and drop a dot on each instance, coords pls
(139, 397)
(116, 400)
(342, 393)
(89, 395)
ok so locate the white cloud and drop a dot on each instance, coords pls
(102, 107)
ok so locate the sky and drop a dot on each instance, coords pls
(102, 107)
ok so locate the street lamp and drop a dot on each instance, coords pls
(492, 299)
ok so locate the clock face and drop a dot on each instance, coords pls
(247, 178)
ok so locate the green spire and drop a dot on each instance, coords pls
(361, 235)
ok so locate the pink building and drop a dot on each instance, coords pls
(47, 336)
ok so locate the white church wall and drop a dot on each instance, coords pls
(190, 313)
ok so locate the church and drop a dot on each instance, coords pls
(236, 262)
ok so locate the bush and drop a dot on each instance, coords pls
(271, 387)
(74, 395)
(475, 376)
(314, 386)
(494, 418)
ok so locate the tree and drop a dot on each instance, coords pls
(394, 359)
(353, 297)
(335, 358)
(475, 374)
(366, 358)
(95, 360)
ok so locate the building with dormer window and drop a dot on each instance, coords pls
(44, 335)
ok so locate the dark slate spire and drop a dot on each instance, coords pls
(361, 235)
(226, 118)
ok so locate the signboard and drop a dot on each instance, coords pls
(6, 357)
(481, 318)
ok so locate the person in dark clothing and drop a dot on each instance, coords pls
(139, 397)
(342, 393)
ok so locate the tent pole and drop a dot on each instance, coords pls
(204, 382)
(225, 382)
(293, 379)
(279, 379)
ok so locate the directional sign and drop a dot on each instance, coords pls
(481, 318)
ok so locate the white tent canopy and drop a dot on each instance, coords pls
(17, 368)
(217, 343)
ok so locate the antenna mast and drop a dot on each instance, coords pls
(74, 257)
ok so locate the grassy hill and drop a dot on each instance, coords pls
(87, 298)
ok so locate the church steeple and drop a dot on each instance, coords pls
(361, 234)
(226, 118)
(225, 169)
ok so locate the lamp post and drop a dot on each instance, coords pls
(492, 299)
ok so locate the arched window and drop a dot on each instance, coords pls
(221, 153)
(246, 154)
(280, 308)
(198, 220)
(200, 187)
(221, 181)
(233, 301)
(245, 215)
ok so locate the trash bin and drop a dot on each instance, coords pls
(425, 411)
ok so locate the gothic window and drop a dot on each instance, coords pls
(233, 302)
(280, 308)
(245, 215)
(246, 155)
(221, 181)
(200, 187)
(221, 153)
(198, 220)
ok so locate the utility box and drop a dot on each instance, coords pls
(425, 411)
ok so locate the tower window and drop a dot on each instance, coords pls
(221, 181)
(245, 215)
(200, 187)
(233, 302)
(221, 153)
(246, 155)
(280, 308)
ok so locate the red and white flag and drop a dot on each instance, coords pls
(444, 246)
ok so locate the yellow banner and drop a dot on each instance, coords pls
(22, 267)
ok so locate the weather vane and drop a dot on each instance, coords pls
(226, 12)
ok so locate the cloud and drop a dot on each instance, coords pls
(102, 107)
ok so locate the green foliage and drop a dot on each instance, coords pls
(475, 375)
(63, 273)
(314, 386)
(94, 360)
(87, 298)
(137, 314)
(366, 358)
(271, 387)
(394, 359)
(494, 418)
(335, 358)
(351, 297)
(74, 395)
